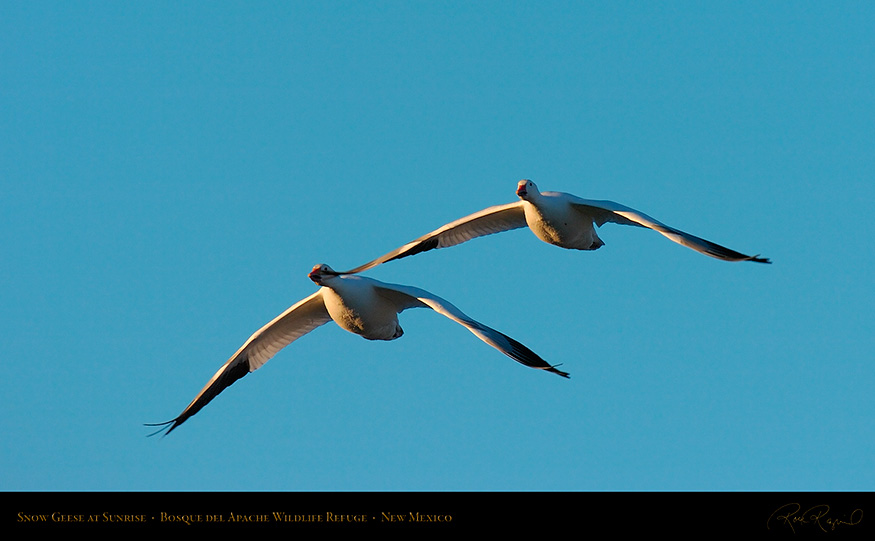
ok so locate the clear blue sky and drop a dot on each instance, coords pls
(170, 172)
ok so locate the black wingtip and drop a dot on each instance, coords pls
(522, 354)
(758, 259)
(166, 427)
(351, 271)
(554, 370)
(423, 246)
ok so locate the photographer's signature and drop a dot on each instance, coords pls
(815, 516)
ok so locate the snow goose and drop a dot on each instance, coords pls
(554, 217)
(357, 304)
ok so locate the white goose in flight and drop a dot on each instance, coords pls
(357, 304)
(554, 217)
